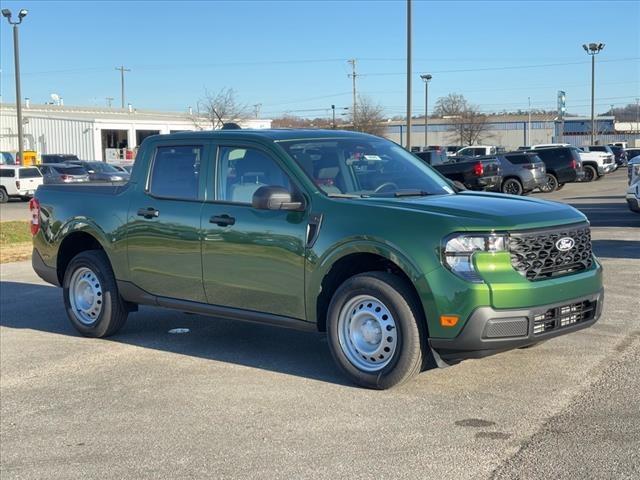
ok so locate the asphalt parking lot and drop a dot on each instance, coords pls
(235, 400)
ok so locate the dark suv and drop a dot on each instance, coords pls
(522, 172)
(58, 157)
(620, 155)
(563, 166)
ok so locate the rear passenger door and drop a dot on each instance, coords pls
(163, 234)
(252, 259)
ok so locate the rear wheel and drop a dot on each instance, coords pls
(590, 173)
(375, 330)
(551, 185)
(91, 296)
(4, 198)
(512, 186)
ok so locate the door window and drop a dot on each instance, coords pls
(244, 170)
(176, 172)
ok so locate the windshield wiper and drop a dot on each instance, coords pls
(342, 195)
(401, 193)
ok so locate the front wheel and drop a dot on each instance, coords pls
(375, 330)
(91, 296)
(512, 187)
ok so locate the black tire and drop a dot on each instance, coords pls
(113, 312)
(4, 198)
(399, 299)
(551, 185)
(512, 186)
(590, 173)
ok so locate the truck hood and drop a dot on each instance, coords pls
(493, 211)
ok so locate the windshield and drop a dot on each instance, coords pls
(365, 167)
(103, 167)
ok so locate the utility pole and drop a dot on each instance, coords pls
(638, 115)
(353, 76)
(529, 124)
(409, 75)
(122, 70)
(6, 13)
(256, 109)
(333, 112)
(109, 101)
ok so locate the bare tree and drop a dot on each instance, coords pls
(224, 105)
(468, 124)
(369, 117)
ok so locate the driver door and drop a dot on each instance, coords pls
(252, 259)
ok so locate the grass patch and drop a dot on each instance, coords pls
(15, 241)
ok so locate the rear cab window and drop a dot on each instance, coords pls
(175, 172)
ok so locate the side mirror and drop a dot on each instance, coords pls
(271, 197)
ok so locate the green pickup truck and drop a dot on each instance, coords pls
(329, 231)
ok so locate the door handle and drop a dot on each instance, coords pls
(222, 220)
(149, 212)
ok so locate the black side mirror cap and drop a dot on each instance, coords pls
(272, 197)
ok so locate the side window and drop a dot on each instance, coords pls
(176, 172)
(6, 173)
(244, 170)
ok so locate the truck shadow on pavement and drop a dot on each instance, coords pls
(609, 214)
(616, 248)
(258, 346)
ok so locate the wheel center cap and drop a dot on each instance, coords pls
(371, 332)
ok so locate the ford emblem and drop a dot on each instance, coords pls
(565, 244)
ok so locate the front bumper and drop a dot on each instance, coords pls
(489, 331)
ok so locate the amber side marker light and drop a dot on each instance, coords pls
(448, 320)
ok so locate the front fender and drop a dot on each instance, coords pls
(319, 266)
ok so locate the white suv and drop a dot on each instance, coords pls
(17, 181)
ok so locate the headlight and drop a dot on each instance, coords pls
(458, 251)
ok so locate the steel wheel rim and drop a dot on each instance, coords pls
(512, 187)
(367, 333)
(85, 296)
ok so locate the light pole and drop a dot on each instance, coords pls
(409, 75)
(593, 49)
(426, 79)
(6, 13)
(333, 113)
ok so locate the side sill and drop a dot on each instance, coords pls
(134, 294)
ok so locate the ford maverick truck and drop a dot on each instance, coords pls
(329, 231)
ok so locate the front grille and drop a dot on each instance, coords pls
(564, 316)
(535, 255)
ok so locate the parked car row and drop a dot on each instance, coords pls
(19, 181)
(547, 167)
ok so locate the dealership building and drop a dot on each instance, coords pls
(94, 133)
(512, 131)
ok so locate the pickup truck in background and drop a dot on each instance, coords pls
(472, 173)
(322, 230)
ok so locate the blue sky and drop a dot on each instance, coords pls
(291, 56)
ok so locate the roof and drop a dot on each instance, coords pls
(275, 135)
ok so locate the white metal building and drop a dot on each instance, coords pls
(94, 133)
